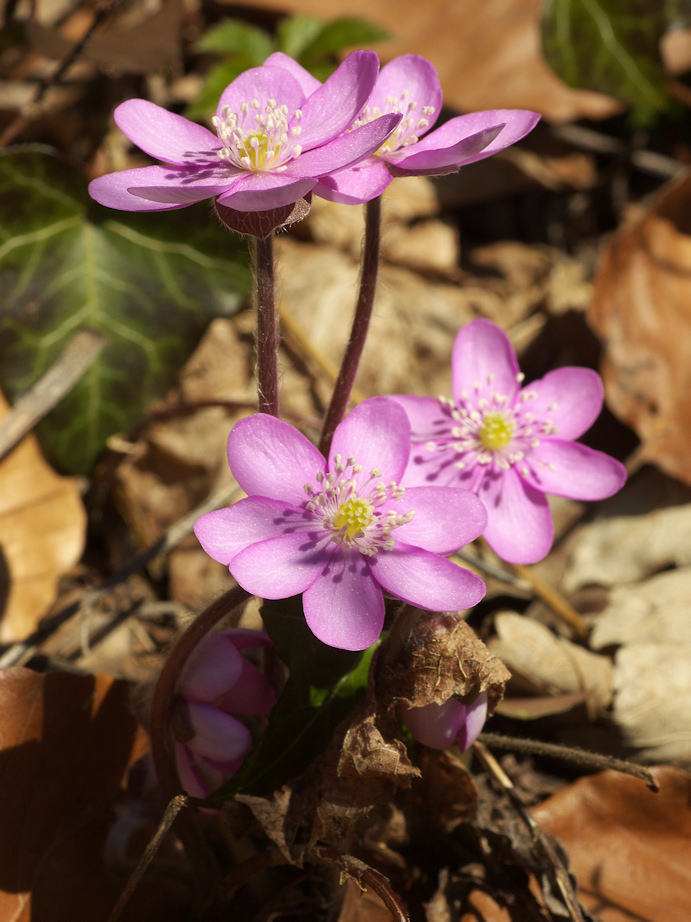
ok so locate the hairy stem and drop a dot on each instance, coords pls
(267, 337)
(358, 334)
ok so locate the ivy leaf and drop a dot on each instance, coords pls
(325, 685)
(150, 283)
(610, 46)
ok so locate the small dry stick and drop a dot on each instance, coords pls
(80, 353)
(569, 754)
(542, 842)
(554, 600)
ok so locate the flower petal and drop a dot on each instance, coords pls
(113, 190)
(575, 471)
(433, 468)
(225, 532)
(415, 76)
(251, 694)
(519, 521)
(571, 398)
(475, 717)
(265, 191)
(335, 105)
(190, 777)
(282, 567)
(164, 135)
(271, 458)
(435, 725)
(483, 355)
(244, 637)
(348, 149)
(344, 608)
(173, 185)
(218, 736)
(214, 666)
(261, 84)
(355, 185)
(429, 418)
(427, 580)
(307, 82)
(445, 519)
(377, 434)
(441, 160)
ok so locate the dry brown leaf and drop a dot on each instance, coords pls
(42, 533)
(629, 848)
(641, 309)
(359, 906)
(487, 52)
(67, 744)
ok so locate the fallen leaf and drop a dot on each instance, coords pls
(67, 744)
(629, 848)
(641, 310)
(42, 533)
(487, 52)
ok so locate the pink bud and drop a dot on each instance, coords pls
(441, 725)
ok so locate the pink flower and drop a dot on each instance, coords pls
(216, 684)
(441, 725)
(271, 145)
(509, 445)
(342, 530)
(409, 86)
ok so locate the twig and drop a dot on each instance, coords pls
(20, 653)
(554, 600)
(541, 841)
(79, 354)
(30, 111)
(593, 760)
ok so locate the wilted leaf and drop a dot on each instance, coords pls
(641, 310)
(149, 282)
(42, 533)
(610, 46)
(67, 744)
(629, 848)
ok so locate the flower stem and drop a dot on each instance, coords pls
(267, 337)
(358, 334)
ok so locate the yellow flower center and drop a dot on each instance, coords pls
(496, 431)
(255, 146)
(354, 515)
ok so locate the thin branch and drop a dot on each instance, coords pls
(594, 760)
(554, 600)
(77, 357)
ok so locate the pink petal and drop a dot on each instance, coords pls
(307, 82)
(244, 637)
(213, 667)
(433, 468)
(377, 434)
(429, 418)
(264, 191)
(112, 190)
(251, 694)
(483, 355)
(445, 519)
(261, 84)
(355, 185)
(517, 123)
(344, 608)
(424, 579)
(475, 717)
(271, 458)
(348, 149)
(571, 398)
(435, 725)
(519, 521)
(575, 471)
(164, 135)
(418, 77)
(190, 778)
(334, 106)
(226, 532)
(282, 567)
(438, 161)
(218, 736)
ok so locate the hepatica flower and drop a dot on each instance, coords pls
(341, 530)
(273, 141)
(510, 445)
(409, 87)
(442, 725)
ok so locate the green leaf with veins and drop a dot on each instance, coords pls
(610, 46)
(149, 282)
